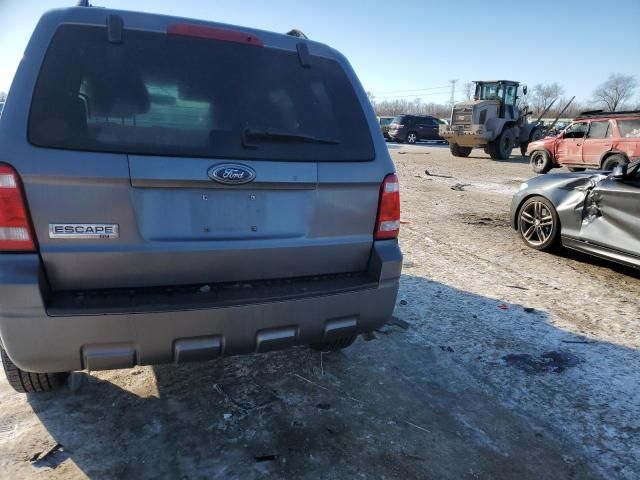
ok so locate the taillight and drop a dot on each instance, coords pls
(388, 221)
(15, 228)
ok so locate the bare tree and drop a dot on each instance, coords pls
(544, 94)
(468, 90)
(571, 111)
(615, 91)
(411, 107)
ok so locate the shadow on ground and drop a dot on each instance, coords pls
(392, 407)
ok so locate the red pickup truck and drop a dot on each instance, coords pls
(598, 140)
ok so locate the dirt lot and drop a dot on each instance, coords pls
(501, 362)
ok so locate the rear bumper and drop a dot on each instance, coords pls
(36, 341)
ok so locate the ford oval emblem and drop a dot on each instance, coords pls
(231, 173)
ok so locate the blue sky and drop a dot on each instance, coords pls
(410, 45)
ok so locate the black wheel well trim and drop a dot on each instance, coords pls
(508, 125)
(540, 150)
(543, 150)
(610, 153)
(551, 156)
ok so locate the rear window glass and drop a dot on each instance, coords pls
(398, 119)
(629, 128)
(158, 94)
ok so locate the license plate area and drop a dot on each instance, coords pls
(223, 214)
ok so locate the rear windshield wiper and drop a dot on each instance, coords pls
(273, 135)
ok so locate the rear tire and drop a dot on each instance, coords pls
(540, 161)
(412, 138)
(501, 147)
(458, 151)
(28, 382)
(339, 344)
(613, 161)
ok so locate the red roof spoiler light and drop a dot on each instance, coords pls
(213, 33)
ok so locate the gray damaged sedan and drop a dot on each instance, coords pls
(594, 212)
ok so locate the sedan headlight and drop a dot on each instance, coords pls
(524, 185)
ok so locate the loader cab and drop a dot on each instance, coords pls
(504, 91)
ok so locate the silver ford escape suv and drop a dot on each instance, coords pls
(175, 190)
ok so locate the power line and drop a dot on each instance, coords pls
(412, 89)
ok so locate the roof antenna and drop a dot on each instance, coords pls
(83, 3)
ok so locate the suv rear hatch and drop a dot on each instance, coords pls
(132, 132)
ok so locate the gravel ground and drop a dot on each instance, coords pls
(501, 362)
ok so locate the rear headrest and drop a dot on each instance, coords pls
(118, 95)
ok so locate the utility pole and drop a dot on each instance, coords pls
(467, 90)
(452, 99)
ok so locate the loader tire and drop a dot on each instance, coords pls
(501, 147)
(458, 151)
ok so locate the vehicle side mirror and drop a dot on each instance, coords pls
(619, 172)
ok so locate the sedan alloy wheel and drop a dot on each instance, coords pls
(538, 223)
